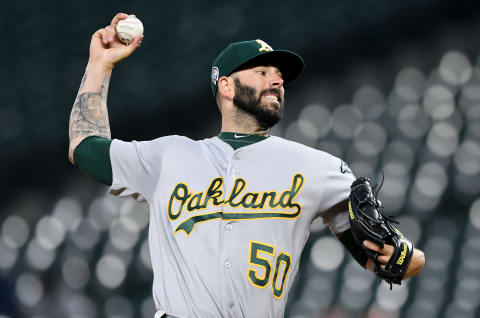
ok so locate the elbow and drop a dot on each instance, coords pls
(71, 149)
(70, 155)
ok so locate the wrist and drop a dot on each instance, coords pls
(99, 67)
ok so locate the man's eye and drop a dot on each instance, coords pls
(261, 72)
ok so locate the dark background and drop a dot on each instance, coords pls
(164, 89)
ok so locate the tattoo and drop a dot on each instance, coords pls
(89, 113)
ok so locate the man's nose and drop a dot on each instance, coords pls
(277, 81)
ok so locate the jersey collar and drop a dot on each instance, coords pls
(238, 140)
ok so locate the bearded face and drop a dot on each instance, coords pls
(267, 113)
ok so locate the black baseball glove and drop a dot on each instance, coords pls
(368, 223)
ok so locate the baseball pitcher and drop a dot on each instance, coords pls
(230, 214)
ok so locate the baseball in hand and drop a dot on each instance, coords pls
(129, 28)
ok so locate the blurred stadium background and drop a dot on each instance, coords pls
(392, 85)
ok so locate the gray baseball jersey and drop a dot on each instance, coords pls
(227, 227)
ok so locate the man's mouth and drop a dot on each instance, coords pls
(272, 97)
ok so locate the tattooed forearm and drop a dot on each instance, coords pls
(89, 113)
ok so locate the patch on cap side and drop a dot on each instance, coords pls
(215, 73)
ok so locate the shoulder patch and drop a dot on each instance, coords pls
(344, 168)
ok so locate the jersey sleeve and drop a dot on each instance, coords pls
(336, 189)
(136, 167)
(92, 158)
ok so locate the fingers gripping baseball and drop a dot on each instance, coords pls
(107, 49)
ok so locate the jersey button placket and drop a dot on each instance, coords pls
(228, 236)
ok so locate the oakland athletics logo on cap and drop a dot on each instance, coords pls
(264, 46)
(215, 75)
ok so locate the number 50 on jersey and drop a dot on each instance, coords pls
(260, 256)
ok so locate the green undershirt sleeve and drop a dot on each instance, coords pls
(355, 250)
(92, 158)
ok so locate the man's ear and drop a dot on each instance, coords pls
(226, 87)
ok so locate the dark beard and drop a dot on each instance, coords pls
(245, 99)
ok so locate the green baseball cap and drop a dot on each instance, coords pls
(240, 54)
